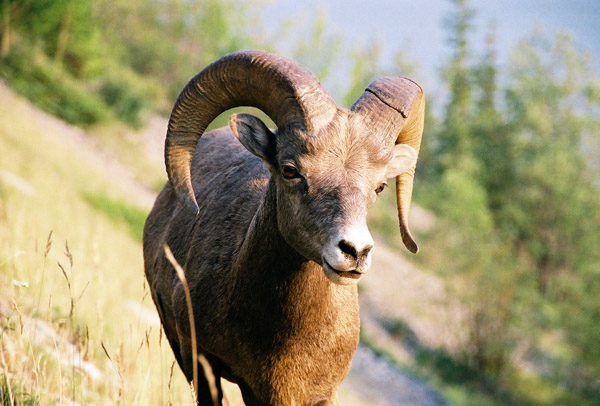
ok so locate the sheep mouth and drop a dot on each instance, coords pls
(349, 276)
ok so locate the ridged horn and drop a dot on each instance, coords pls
(396, 108)
(280, 87)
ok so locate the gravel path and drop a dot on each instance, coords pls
(374, 381)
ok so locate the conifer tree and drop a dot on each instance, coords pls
(553, 188)
(454, 138)
(493, 143)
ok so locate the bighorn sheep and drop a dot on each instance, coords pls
(273, 236)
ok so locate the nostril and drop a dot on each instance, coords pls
(348, 248)
(366, 251)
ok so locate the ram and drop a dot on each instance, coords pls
(270, 226)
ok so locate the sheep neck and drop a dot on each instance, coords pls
(265, 257)
(287, 315)
(280, 286)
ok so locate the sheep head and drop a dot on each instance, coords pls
(327, 163)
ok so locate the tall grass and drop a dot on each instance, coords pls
(76, 321)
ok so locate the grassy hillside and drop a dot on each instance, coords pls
(76, 321)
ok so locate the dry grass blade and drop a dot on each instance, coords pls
(171, 376)
(169, 402)
(69, 286)
(78, 298)
(68, 254)
(60, 377)
(114, 365)
(48, 244)
(147, 333)
(65, 275)
(105, 351)
(210, 377)
(16, 306)
(6, 375)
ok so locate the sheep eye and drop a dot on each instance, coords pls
(289, 172)
(380, 187)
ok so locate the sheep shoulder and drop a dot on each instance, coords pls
(229, 184)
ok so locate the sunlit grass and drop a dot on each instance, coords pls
(77, 323)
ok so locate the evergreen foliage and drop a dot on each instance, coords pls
(125, 55)
(516, 185)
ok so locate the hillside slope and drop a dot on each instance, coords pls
(85, 327)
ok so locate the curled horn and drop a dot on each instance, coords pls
(280, 87)
(396, 108)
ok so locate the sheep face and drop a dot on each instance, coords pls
(326, 179)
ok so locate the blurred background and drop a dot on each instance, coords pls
(500, 307)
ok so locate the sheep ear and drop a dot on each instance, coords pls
(254, 135)
(404, 158)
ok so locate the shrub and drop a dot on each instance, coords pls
(125, 99)
(56, 94)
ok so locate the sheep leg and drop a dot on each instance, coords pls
(203, 387)
(169, 329)
(203, 384)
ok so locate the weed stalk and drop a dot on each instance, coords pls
(210, 377)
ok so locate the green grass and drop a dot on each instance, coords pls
(129, 149)
(119, 212)
(13, 395)
(53, 92)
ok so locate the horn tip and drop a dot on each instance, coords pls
(409, 241)
(414, 249)
(190, 204)
(412, 246)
